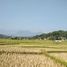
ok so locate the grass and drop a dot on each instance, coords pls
(31, 53)
(62, 56)
(31, 42)
(34, 59)
(19, 60)
(62, 62)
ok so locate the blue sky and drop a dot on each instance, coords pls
(33, 15)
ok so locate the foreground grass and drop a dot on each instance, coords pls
(28, 60)
(31, 53)
(9, 53)
(60, 56)
(57, 60)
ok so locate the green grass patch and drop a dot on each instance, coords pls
(62, 62)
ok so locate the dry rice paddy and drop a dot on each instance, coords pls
(38, 55)
(16, 57)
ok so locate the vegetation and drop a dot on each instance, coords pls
(55, 35)
(38, 51)
(19, 60)
(27, 57)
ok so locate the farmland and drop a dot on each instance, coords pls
(33, 53)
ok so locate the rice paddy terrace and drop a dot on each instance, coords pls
(33, 53)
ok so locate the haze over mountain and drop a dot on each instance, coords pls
(55, 35)
(3, 36)
(19, 33)
(26, 33)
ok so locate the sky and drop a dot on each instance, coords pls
(33, 15)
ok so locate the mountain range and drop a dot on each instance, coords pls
(19, 33)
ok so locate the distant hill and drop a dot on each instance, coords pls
(4, 36)
(25, 33)
(19, 33)
(55, 35)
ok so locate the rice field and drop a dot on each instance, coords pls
(23, 60)
(21, 54)
(62, 56)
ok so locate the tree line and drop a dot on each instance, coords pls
(55, 35)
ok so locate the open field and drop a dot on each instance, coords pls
(32, 42)
(32, 53)
(62, 56)
(29, 60)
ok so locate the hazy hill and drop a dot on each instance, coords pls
(55, 35)
(3, 36)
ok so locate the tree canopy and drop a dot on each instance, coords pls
(55, 35)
